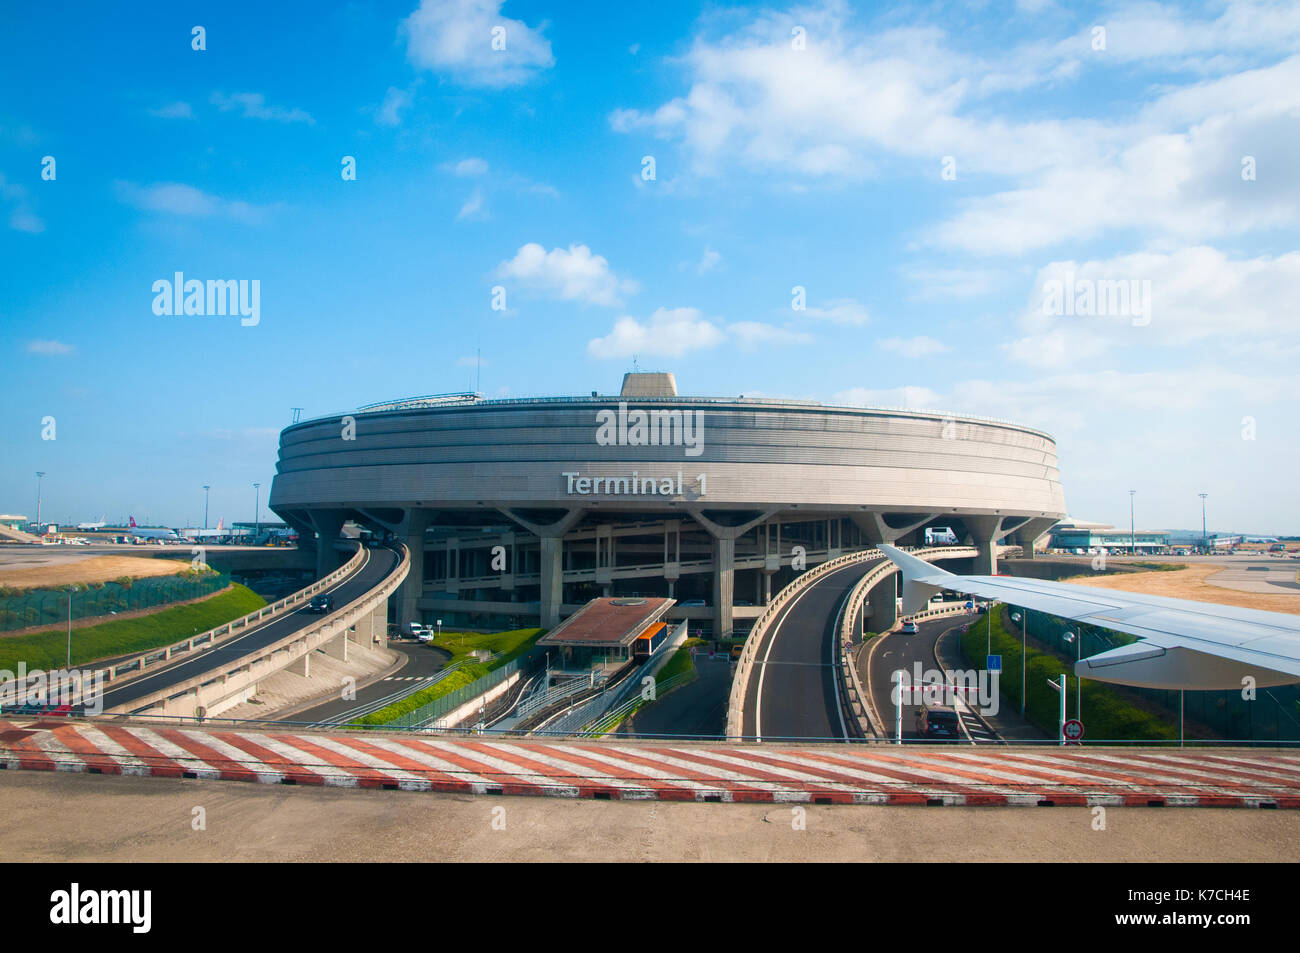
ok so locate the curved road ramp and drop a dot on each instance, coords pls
(826, 774)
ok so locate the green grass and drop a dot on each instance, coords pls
(461, 645)
(1107, 715)
(679, 664)
(48, 648)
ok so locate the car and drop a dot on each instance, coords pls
(736, 649)
(691, 604)
(425, 634)
(938, 723)
(909, 628)
(321, 604)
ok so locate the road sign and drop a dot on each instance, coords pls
(966, 627)
(1072, 731)
(994, 663)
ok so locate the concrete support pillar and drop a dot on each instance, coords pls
(724, 583)
(985, 533)
(552, 579)
(301, 666)
(767, 587)
(328, 526)
(883, 600)
(372, 631)
(877, 531)
(337, 647)
(550, 540)
(417, 521)
(724, 567)
(1029, 531)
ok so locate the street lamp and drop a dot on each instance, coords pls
(1205, 537)
(1132, 539)
(71, 590)
(206, 488)
(1078, 682)
(1024, 623)
(39, 475)
(257, 522)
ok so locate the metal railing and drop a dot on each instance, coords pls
(369, 708)
(426, 715)
(858, 698)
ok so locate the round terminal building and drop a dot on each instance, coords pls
(519, 511)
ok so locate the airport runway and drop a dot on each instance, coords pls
(378, 564)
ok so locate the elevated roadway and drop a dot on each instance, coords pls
(374, 567)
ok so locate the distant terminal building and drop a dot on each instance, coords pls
(525, 509)
(1081, 537)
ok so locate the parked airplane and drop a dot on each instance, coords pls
(147, 532)
(100, 525)
(210, 533)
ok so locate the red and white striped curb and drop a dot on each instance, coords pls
(822, 774)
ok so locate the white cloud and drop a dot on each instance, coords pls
(919, 346)
(933, 283)
(839, 311)
(858, 99)
(456, 37)
(173, 111)
(753, 335)
(49, 348)
(912, 398)
(469, 167)
(178, 199)
(708, 262)
(1196, 294)
(473, 206)
(670, 332)
(253, 106)
(574, 274)
(396, 101)
(21, 217)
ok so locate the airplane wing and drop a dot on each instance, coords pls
(1183, 644)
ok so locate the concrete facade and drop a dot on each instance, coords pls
(518, 508)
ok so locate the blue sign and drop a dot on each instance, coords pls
(994, 663)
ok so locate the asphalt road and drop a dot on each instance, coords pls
(792, 691)
(696, 710)
(422, 661)
(896, 651)
(379, 562)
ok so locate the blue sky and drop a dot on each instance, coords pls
(924, 172)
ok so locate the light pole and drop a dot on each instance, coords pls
(1024, 623)
(1205, 537)
(1132, 538)
(39, 475)
(1078, 682)
(206, 488)
(71, 590)
(257, 522)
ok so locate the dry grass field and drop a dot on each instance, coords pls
(1190, 583)
(91, 569)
